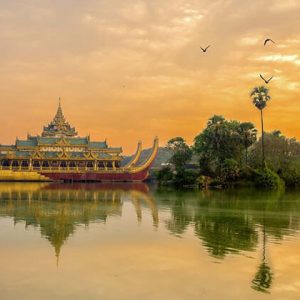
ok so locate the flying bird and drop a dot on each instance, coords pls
(266, 81)
(268, 40)
(205, 49)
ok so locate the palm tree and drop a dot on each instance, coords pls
(260, 97)
(248, 134)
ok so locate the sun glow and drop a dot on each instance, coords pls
(131, 70)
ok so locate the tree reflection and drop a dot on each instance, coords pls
(223, 234)
(226, 222)
(263, 277)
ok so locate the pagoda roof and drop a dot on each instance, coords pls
(59, 133)
(78, 141)
(23, 153)
(26, 143)
(98, 145)
(59, 126)
(56, 154)
(34, 141)
(57, 140)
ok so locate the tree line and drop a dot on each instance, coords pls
(229, 152)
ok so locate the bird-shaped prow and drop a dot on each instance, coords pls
(266, 81)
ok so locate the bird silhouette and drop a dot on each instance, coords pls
(205, 49)
(268, 40)
(266, 81)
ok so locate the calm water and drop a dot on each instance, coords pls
(129, 241)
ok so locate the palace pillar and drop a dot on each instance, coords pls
(95, 165)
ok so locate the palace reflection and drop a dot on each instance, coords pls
(225, 222)
(58, 209)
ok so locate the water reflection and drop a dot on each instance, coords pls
(264, 276)
(230, 221)
(224, 222)
(58, 209)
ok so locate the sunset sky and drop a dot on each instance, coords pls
(130, 70)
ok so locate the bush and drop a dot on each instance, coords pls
(164, 175)
(216, 183)
(230, 170)
(203, 181)
(291, 177)
(267, 179)
(247, 173)
(185, 178)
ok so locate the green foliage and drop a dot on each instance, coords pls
(248, 133)
(249, 136)
(260, 96)
(184, 178)
(281, 155)
(222, 140)
(181, 152)
(267, 179)
(164, 175)
(280, 152)
(203, 181)
(291, 176)
(230, 170)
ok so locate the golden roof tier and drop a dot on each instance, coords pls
(59, 127)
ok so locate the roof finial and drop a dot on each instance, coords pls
(59, 101)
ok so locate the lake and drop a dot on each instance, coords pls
(134, 241)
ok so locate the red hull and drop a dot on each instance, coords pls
(127, 186)
(97, 177)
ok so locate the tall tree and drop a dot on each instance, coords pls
(219, 141)
(249, 135)
(181, 152)
(260, 96)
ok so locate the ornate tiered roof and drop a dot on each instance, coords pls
(59, 127)
(57, 138)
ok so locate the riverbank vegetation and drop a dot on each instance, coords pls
(228, 153)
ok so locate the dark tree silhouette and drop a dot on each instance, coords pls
(249, 135)
(260, 96)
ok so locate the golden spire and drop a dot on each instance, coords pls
(59, 126)
(59, 117)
